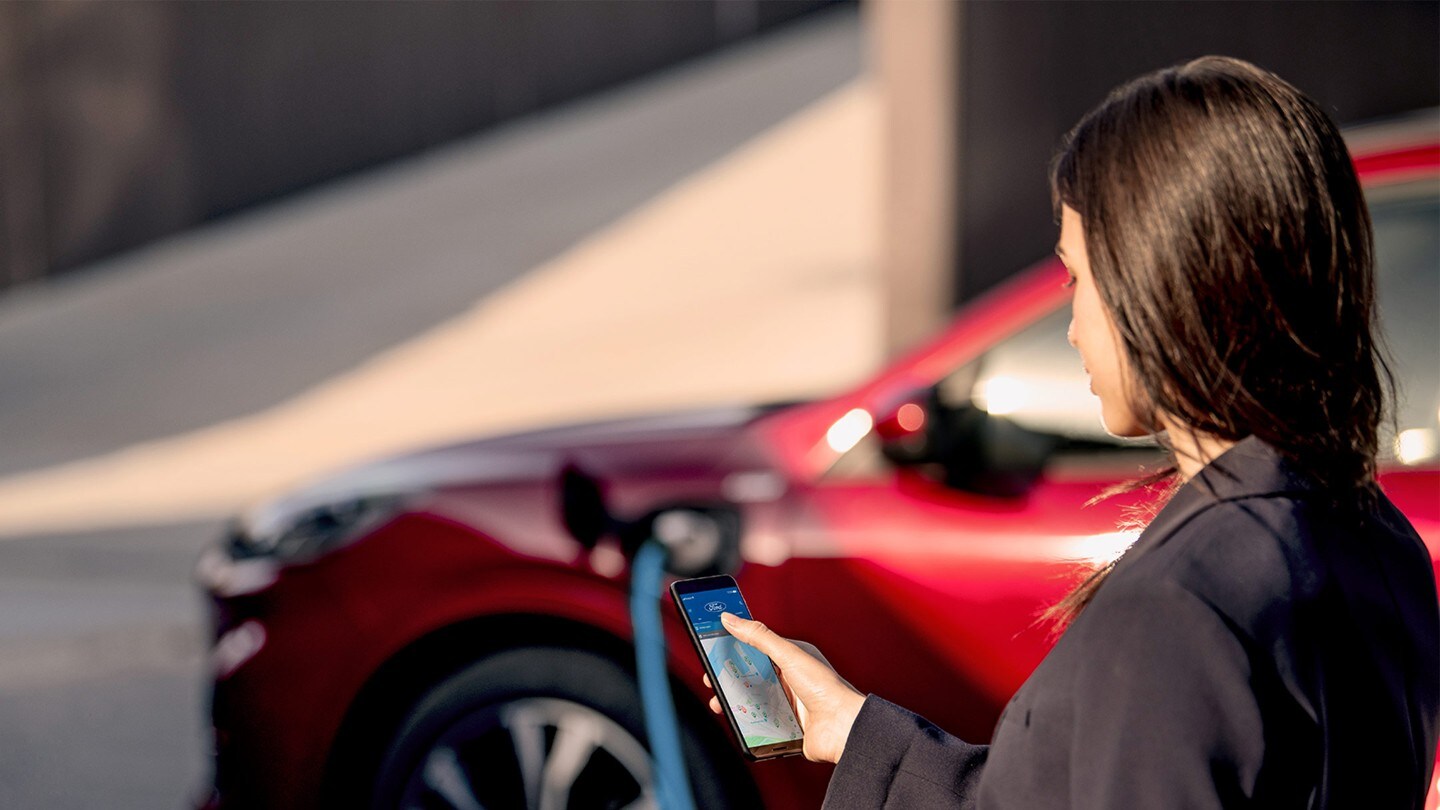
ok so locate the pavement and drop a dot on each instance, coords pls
(706, 236)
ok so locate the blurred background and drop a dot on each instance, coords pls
(245, 243)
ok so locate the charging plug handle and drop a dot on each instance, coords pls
(697, 540)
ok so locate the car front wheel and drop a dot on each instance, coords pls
(539, 729)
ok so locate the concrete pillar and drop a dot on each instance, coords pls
(23, 240)
(915, 50)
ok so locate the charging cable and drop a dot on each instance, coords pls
(662, 726)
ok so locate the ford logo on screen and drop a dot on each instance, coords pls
(714, 607)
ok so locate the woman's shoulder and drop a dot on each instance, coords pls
(1244, 558)
(1268, 555)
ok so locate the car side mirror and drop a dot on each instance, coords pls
(968, 448)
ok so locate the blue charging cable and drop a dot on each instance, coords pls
(672, 782)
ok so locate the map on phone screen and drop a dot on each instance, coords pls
(745, 678)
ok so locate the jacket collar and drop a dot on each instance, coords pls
(1248, 469)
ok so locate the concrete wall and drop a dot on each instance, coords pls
(122, 122)
(1028, 71)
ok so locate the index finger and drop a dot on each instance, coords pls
(781, 650)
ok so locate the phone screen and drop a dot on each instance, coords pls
(744, 679)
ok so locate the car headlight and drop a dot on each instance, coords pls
(306, 533)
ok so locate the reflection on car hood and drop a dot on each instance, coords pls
(687, 438)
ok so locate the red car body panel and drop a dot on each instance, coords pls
(919, 592)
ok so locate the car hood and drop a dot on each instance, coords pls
(700, 439)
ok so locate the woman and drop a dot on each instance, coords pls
(1272, 638)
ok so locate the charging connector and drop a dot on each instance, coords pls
(662, 726)
(681, 539)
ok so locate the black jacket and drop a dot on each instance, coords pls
(1256, 647)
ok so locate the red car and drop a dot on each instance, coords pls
(450, 628)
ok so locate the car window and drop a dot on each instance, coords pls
(1407, 256)
(1034, 378)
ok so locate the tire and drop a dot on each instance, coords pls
(543, 729)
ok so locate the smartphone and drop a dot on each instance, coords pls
(744, 679)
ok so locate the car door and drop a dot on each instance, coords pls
(927, 582)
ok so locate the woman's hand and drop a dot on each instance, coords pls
(825, 703)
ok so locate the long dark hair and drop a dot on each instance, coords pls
(1229, 239)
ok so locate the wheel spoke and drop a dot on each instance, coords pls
(445, 776)
(527, 732)
(556, 744)
(576, 738)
